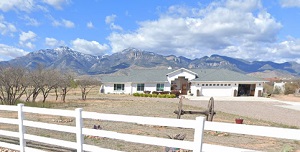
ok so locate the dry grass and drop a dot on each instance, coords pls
(153, 107)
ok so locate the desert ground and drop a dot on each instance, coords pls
(158, 107)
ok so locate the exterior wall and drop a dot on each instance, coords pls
(259, 87)
(227, 91)
(213, 90)
(109, 88)
(131, 88)
(180, 73)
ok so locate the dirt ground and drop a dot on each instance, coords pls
(289, 97)
(152, 107)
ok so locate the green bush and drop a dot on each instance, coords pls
(154, 95)
(161, 96)
(136, 94)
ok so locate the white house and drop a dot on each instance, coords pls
(197, 82)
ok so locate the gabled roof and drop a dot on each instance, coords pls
(160, 75)
(224, 75)
(182, 69)
(140, 75)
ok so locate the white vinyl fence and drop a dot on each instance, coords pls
(197, 125)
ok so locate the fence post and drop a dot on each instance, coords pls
(79, 125)
(198, 135)
(21, 128)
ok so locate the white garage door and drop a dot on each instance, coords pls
(221, 92)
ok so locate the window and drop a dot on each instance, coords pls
(160, 87)
(218, 84)
(221, 84)
(210, 84)
(229, 84)
(119, 87)
(202, 84)
(225, 84)
(140, 86)
(206, 84)
(214, 84)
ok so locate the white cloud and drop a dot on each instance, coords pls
(115, 27)
(29, 36)
(6, 27)
(30, 5)
(110, 19)
(89, 47)
(22, 5)
(10, 52)
(68, 24)
(52, 42)
(26, 39)
(290, 3)
(89, 25)
(64, 23)
(223, 27)
(31, 21)
(56, 3)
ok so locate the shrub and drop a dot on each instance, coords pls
(136, 94)
(155, 92)
(277, 90)
(165, 92)
(176, 93)
(154, 95)
(290, 88)
(161, 95)
(147, 92)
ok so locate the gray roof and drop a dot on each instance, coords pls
(223, 75)
(140, 75)
(160, 75)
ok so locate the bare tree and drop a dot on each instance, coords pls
(13, 84)
(86, 84)
(66, 83)
(51, 81)
(36, 80)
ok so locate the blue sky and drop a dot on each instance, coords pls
(249, 29)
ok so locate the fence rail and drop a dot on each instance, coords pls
(198, 125)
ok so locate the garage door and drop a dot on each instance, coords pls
(221, 92)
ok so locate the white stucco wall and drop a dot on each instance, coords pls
(181, 73)
(109, 88)
(222, 90)
(130, 88)
(213, 90)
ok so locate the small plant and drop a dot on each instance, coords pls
(176, 137)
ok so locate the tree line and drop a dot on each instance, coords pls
(16, 82)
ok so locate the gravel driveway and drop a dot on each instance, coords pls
(259, 108)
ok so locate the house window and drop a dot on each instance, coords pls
(119, 87)
(229, 84)
(140, 86)
(160, 87)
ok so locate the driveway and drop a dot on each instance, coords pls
(255, 107)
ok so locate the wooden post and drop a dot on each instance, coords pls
(79, 125)
(21, 128)
(198, 135)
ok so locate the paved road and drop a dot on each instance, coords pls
(260, 108)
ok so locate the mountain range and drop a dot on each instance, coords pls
(64, 58)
